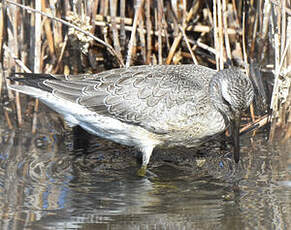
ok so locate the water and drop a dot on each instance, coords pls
(44, 184)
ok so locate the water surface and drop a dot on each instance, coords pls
(46, 184)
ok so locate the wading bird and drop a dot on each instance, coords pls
(148, 106)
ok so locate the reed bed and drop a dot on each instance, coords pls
(90, 36)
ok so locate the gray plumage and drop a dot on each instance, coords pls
(146, 106)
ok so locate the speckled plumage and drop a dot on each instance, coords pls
(146, 106)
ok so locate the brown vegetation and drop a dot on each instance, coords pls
(89, 36)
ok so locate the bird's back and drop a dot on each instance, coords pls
(169, 101)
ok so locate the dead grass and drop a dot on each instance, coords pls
(98, 34)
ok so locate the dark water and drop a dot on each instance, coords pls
(44, 184)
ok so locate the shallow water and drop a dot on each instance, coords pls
(45, 184)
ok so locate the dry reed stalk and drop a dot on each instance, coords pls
(16, 59)
(265, 19)
(244, 35)
(18, 109)
(37, 53)
(24, 53)
(256, 124)
(107, 45)
(284, 27)
(201, 45)
(220, 35)
(114, 29)
(37, 38)
(132, 36)
(1, 79)
(57, 28)
(93, 16)
(14, 18)
(203, 28)
(245, 53)
(122, 25)
(148, 30)
(1, 30)
(285, 63)
(274, 102)
(254, 37)
(178, 38)
(286, 52)
(141, 33)
(173, 48)
(280, 102)
(9, 123)
(159, 25)
(48, 30)
(104, 11)
(104, 7)
(188, 45)
(235, 13)
(195, 28)
(226, 37)
(216, 37)
(118, 20)
(34, 117)
(61, 55)
(237, 52)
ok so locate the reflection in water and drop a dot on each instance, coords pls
(44, 184)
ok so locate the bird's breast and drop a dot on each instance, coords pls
(192, 132)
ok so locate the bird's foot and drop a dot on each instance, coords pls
(142, 171)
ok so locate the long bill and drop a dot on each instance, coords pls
(235, 135)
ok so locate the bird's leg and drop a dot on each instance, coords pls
(146, 155)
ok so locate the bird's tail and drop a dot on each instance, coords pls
(32, 84)
(29, 90)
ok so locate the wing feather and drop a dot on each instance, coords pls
(150, 96)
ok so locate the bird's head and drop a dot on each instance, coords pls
(231, 92)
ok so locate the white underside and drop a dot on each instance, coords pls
(106, 127)
(114, 129)
(100, 125)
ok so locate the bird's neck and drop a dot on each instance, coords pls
(216, 98)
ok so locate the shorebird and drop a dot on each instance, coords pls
(148, 106)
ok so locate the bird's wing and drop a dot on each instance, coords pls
(150, 96)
